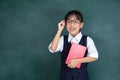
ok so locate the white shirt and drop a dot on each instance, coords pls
(92, 51)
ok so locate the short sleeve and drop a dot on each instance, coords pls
(92, 51)
(59, 47)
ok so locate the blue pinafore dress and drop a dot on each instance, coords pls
(67, 73)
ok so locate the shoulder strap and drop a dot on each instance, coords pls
(65, 38)
(83, 40)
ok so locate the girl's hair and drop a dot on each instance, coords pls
(75, 13)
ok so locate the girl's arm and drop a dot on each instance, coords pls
(73, 62)
(57, 36)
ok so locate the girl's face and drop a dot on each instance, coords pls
(73, 25)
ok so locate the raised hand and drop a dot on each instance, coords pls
(61, 25)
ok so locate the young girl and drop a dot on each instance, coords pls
(73, 23)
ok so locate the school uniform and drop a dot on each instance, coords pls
(64, 45)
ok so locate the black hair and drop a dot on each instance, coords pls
(78, 15)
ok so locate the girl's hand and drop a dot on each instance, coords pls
(73, 63)
(61, 25)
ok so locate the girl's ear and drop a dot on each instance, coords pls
(81, 25)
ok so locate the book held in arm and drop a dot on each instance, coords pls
(76, 51)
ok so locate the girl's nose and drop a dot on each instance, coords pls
(72, 24)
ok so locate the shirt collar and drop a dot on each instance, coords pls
(77, 37)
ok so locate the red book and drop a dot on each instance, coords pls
(76, 51)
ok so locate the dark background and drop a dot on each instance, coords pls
(28, 26)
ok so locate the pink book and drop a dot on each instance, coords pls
(76, 51)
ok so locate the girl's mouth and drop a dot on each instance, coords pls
(72, 29)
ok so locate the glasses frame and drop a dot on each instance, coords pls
(73, 21)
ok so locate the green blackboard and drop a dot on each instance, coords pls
(28, 26)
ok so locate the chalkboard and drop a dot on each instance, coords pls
(28, 26)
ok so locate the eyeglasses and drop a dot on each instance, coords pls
(74, 21)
